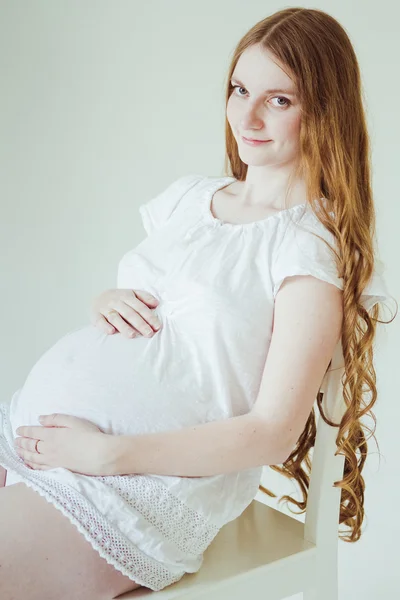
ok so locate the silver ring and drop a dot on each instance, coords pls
(110, 312)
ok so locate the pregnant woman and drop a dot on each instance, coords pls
(150, 444)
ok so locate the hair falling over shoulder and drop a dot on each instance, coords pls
(335, 161)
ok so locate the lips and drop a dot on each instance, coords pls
(253, 139)
(253, 142)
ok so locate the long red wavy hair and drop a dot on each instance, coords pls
(316, 51)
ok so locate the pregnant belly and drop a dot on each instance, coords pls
(124, 386)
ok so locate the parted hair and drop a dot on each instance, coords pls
(334, 158)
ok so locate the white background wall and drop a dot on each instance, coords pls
(103, 104)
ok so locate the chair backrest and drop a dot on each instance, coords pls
(323, 504)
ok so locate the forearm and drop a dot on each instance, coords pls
(207, 449)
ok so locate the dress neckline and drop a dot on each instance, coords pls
(223, 182)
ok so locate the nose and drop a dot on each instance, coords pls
(251, 118)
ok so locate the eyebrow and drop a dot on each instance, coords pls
(270, 91)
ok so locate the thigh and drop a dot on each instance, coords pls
(43, 556)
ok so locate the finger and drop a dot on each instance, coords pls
(140, 315)
(36, 467)
(24, 454)
(25, 444)
(133, 317)
(129, 319)
(145, 297)
(31, 457)
(101, 323)
(125, 328)
(33, 431)
(61, 420)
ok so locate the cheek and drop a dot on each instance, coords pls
(285, 129)
(232, 113)
(291, 125)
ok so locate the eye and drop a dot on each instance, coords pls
(238, 86)
(287, 102)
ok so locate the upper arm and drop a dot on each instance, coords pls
(307, 326)
(308, 316)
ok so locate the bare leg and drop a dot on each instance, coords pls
(3, 476)
(44, 557)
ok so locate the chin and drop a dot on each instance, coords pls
(254, 161)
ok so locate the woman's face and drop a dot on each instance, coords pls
(263, 106)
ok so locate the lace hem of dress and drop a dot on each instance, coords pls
(166, 514)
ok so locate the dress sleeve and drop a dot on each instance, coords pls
(156, 212)
(300, 252)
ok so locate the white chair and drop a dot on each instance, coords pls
(264, 551)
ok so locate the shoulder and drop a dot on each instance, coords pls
(304, 246)
(301, 228)
(157, 211)
(178, 187)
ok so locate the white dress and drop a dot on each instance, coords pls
(216, 283)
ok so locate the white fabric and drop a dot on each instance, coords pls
(216, 284)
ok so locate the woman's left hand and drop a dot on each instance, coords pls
(65, 441)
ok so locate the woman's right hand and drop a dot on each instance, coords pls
(132, 314)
